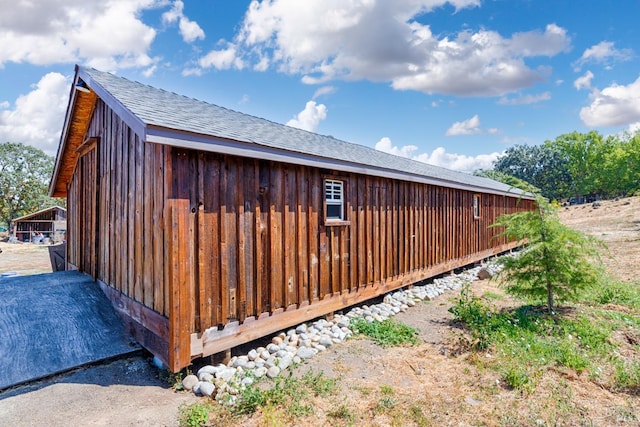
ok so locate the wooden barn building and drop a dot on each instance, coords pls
(208, 228)
(45, 225)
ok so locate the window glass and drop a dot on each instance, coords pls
(334, 199)
(476, 206)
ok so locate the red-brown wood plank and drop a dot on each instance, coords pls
(314, 208)
(262, 239)
(138, 227)
(160, 291)
(276, 235)
(179, 267)
(376, 229)
(229, 252)
(247, 230)
(370, 244)
(302, 231)
(290, 247)
(361, 256)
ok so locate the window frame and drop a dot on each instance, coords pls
(342, 202)
(477, 206)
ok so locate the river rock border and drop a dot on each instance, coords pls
(224, 382)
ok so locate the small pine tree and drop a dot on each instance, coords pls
(557, 262)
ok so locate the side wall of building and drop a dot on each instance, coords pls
(116, 203)
(201, 252)
(259, 246)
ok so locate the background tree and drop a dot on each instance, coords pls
(25, 173)
(507, 179)
(557, 262)
(583, 153)
(543, 166)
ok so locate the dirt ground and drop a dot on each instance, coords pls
(449, 389)
(24, 258)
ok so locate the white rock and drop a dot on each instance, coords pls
(260, 372)
(285, 362)
(206, 388)
(189, 382)
(226, 374)
(306, 352)
(325, 341)
(205, 376)
(273, 372)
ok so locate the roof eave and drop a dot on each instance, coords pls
(188, 140)
(25, 217)
(66, 156)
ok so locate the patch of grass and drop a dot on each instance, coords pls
(492, 296)
(319, 384)
(627, 376)
(386, 390)
(388, 333)
(417, 415)
(194, 415)
(385, 404)
(517, 378)
(364, 391)
(523, 343)
(343, 413)
(619, 293)
(289, 394)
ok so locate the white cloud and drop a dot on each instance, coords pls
(223, 59)
(604, 53)
(309, 118)
(382, 41)
(615, 105)
(324, 90)
(63, 31)
(634, 127)
(584, 81)
(440, 157)
(468, 127)
(526, 99)
(189, 30)
(37, 116)
(387, 146)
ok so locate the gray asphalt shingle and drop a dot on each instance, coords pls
(165, 109)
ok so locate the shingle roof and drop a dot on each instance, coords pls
(168, 110)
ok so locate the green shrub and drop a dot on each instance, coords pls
(558, 263)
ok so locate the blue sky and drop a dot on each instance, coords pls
(453, 83)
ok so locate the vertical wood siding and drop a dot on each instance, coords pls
(115, 228)
(187, 242)
(263, 247)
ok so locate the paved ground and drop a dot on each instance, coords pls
(50, 323)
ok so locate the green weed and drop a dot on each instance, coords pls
(194, 415)
(343, 413)
(627, 376)
(289, 393)
(388, 333)
(528, 340)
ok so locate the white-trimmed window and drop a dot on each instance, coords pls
(476, 206)
(334, 200)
